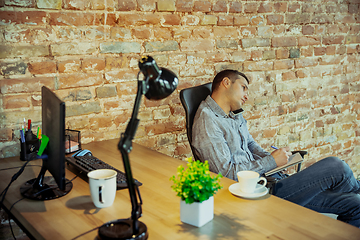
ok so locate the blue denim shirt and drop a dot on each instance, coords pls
(224, 140)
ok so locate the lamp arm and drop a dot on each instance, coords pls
(125, 147)
(126, 139)
(136, 210)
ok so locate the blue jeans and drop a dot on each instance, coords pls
(327, 186)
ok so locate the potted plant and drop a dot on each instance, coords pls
(196, 187)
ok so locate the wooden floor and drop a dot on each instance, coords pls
(5, 229)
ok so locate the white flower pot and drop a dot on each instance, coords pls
(197, 214)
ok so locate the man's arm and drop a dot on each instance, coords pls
(213, 144)
(280, 156)
(255, 148)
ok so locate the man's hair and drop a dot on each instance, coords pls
(231, 74)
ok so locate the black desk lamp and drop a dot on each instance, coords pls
(158, 84)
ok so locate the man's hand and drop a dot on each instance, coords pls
(281, 156)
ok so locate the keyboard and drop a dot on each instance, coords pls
(86, 164)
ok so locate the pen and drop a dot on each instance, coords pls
(24, 123)
(274, 147)
(22, 137)
(29, 125)
(38, 132)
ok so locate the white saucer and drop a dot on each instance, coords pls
(259, 192)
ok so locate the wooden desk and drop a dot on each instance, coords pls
(235, 218)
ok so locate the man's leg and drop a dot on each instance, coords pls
(328, 174)
(345, 205)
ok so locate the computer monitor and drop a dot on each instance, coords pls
(53, 126)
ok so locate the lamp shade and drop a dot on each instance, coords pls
(162, 86)
(161, 81)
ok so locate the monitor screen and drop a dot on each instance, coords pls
(53, 126)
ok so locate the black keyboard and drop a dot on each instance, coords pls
(86, 164)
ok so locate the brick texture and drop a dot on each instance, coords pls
(302, 58)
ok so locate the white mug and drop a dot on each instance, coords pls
(248, 181)
(102, 183)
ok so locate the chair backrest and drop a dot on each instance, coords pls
(191, 99)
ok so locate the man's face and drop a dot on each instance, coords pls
(238, 93)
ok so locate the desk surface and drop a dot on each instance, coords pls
(235, 218)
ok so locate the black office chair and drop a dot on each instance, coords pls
(191, 99)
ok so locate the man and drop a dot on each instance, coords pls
(220, 135)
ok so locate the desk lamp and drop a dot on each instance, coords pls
(158, 83)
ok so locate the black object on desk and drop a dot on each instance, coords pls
(53, 140)
(158, 84)
(30, 147)
(89, 163)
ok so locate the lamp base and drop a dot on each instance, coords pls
(122, 229)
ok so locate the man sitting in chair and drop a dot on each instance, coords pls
(220, 135)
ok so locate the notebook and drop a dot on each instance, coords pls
(293, 159)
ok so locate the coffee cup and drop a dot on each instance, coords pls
(248, 181)
(102, 183)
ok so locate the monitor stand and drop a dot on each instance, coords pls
(44, 188)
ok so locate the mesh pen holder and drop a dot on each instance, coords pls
(72, 141)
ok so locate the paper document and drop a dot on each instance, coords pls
(293, 159)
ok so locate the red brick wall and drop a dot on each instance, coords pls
(302, 57)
